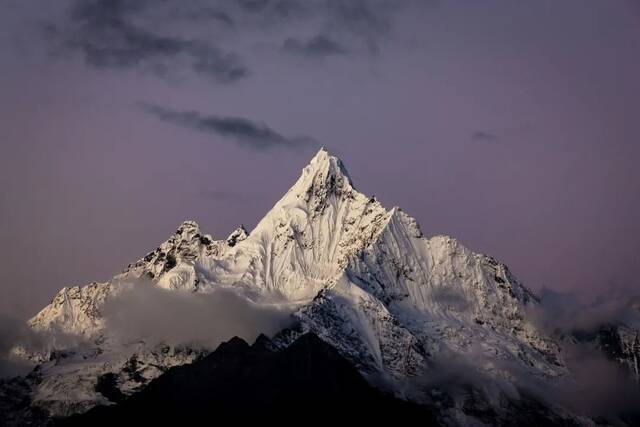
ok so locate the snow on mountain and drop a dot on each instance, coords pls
(238, 235)
(361, 277)
(74, 310)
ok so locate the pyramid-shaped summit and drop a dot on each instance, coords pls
(324, 177)
(326, 169)
(361, 277)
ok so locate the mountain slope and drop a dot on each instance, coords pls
(362, 278)
(256, 382)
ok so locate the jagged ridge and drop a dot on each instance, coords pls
(362, 278)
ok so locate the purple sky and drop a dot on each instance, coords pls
(511, 125)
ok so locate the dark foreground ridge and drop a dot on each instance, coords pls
(308, 379)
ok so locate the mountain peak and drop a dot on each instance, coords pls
(325, 175)
(238, 235)
(323, 161)
(188, 227)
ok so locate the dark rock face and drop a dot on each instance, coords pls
(15, 404)
(620, 343)
(308, 380)
(107, 386)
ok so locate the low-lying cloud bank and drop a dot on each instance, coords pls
(571, 312)
(598, 385)
(155, 316)
(141, 312)
(15, 333)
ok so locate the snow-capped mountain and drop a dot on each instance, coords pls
(359, 276)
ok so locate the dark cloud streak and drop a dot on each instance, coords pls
(484, 136)
(240, 130)
(104, 32)
(319, 46)
(162, 37)
(369, 21)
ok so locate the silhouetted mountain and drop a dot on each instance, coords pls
(308, 379)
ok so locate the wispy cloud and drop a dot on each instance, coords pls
(239, 130)
(484, 136)
(319, 46)
(107, 35)
(367, 20)
(162, 36)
